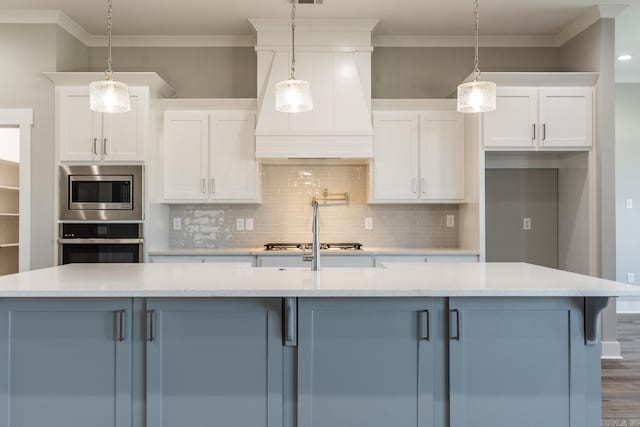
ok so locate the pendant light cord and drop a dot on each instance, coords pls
(109, 71)
(293, 39)
(476, 62)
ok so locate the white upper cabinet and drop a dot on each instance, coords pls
(419, 157)
(442, 160)
(232, 163)
(210, 157)
(186, 145)
(540, 118)
(395, 161)
(84, 135)
(566, 117)
(514, 121)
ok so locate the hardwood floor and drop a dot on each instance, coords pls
(621, 378)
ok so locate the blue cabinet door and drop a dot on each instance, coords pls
(65, 362)
(214, 362)
(521, 362)
(371, 362)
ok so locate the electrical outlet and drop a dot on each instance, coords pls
(177, 224)
(451, 221)
(368, 223)
(526, 224)
(240, 224)
(629, 203)
(248, 224)
(631, 278)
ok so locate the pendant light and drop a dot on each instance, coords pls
(293, 96)
(476, 96)
(108, 95)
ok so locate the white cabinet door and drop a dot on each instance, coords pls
(232, 166)
(566, 117)
(181, 259)
(514, 122)
(452, 258)
(395, 162)
(79, 128)
(125, 133)
(442, 167)
(186, 141)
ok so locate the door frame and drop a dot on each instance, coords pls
(23, 119)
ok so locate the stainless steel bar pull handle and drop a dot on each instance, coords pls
(213, 186)
(151, 325)
(203, 184)
(414, 185)
(423, 185)
(454, 324)
(120, 315)
(424, 325)
(534, 132)
(544, 131)
(105, 141)
(290, 338)
(95, 146)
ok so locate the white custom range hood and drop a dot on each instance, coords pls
(335, 57)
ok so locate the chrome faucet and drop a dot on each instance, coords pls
(314, 257)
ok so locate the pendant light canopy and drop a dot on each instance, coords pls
(108, 95)
(292, 95)
(476, 96)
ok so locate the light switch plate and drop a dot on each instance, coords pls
(368, 223)
(451, 221)
(177, 224)
(248, 224)
(631, 278)
(240, 224)
(629, 203)
(526, 224)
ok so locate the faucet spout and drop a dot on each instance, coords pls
(314, 257)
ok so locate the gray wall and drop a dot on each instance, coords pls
(195, 72)
(435, 72)
(515, 194)
(628, 179)
(32, 50)
(71, 54)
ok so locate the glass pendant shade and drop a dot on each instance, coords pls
(476, 97)
(294, 96)
(109, 96)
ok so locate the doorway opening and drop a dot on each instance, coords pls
(9, 200)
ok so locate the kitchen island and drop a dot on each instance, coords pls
(462, 345)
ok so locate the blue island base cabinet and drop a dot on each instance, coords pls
(306, 362)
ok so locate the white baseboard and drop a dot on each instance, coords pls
(611, 350)
(628, 305)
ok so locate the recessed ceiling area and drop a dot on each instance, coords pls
(398, 17)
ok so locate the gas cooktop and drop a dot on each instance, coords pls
(307, 246)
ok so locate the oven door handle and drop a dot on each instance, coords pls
(100, 241)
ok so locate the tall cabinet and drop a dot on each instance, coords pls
(9, 216)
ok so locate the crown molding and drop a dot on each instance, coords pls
(174, 41)
(57, 17)
(463, 41)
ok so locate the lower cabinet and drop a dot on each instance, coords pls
(521, 362)
(371, 362)
(214, 362)
(65, 362)
(375, 362)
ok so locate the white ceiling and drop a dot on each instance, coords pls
(398, 17)
(628, 42)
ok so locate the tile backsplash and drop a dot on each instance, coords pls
(285, 214)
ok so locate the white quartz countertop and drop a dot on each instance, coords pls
(240, 280)
(262, 252)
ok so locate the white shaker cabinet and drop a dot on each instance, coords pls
(85, 135)
(210, 157)
(566, 117)
(395, 151)
(418, 157)
(540, 118)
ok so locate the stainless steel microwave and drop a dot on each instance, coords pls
(101, 192)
